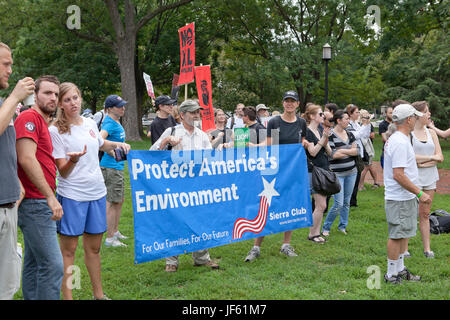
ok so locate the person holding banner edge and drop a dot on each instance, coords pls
(186, 137)
(284, 129)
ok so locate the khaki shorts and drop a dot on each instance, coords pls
(429, 187)
(114, 184)
(402, 218)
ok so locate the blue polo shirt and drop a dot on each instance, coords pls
(115, 133)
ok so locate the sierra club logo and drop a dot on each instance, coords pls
(257, 225)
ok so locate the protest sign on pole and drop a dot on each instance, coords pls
(185, 201)
(187, 53)
(175, 87)
(204, 92)
(149, 86)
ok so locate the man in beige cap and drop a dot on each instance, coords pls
(186, 136)
(402, 195)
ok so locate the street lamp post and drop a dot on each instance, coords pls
(326, 56)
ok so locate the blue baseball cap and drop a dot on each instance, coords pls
(114, 101)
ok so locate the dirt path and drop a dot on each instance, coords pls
(443, 185)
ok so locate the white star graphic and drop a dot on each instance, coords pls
(269, 190)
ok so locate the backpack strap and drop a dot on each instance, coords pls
(99, 126)
(172, 130)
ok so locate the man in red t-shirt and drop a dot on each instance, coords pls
(38, 212)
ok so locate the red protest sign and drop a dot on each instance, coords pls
(187, 53)
(204, 92)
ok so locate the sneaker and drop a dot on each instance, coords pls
(406, 275)
(343, 231)
(252, 255)
(105, 297)
(393, 279)
(210, 264)
(407, 254)
(289, 251)
(429, 254)
(171, 268)
(114, 243)
(120, 236)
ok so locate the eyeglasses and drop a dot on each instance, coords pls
(365, 117)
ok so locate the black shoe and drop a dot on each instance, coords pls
(394, 279)
(406, 275)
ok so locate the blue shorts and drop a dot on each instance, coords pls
(82, 217)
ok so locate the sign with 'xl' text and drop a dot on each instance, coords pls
(185, 201)
(187, 53)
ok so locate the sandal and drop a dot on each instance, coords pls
(317, 239)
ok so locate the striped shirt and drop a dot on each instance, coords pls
(343, 166)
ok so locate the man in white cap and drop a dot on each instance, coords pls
(262, 114)
(402, 195)
(262, 110)
(186, 136)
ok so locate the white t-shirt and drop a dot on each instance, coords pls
(238, 122)
(198, 140)
(399, 153)
(85, 182)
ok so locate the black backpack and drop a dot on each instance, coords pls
(440, 222)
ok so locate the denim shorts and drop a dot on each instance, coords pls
(82, 217)
(311, 189)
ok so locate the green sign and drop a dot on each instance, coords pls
(241, 137)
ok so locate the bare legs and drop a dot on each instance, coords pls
(91, 244)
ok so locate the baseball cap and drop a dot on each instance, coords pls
(114, 101)
(261, 106)
(189, 106)
(166, 100)
(291, 94)
(403, 111)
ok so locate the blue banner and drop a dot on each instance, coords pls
(184, 201)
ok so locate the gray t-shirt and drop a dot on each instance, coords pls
(9, 184)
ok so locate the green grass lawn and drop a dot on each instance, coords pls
(335, 270)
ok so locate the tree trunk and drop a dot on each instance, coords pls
(126, 61)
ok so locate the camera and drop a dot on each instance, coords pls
(119, 154)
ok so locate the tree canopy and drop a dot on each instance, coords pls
(257, 49)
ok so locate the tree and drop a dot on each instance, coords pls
(289, 35)
(127, 20)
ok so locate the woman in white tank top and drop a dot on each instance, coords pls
(428, 153)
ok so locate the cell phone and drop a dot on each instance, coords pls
(119, 155)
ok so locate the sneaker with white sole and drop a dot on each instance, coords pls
(429, 254)
(406, 275)
(252, 255)
(289, 251)
(120, 236)
(393, 279)
(114, 243)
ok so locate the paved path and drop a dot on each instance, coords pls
(443, 185)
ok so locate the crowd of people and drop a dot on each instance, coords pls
(63, 175)
(341, 140)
